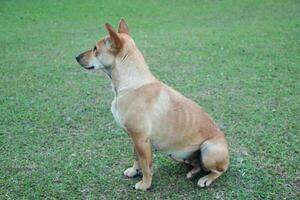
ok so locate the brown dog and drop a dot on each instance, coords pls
(153, 114)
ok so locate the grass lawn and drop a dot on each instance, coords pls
(240, 60)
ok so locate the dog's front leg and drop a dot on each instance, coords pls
(142, 148)
(135, 170)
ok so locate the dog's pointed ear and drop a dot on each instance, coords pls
(123, 28)
(116, 43)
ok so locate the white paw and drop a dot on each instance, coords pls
(192, 173)
(189, 175)
(132, 172)
(142, 186)
(204, 182)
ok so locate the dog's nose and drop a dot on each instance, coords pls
(77, 58)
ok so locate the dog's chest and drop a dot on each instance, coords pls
(114, 110)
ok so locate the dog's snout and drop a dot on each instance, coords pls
(77, 58)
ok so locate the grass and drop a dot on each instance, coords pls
(240, 60)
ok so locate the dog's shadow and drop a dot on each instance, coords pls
(171, 174)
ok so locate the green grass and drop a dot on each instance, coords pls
(240, 60)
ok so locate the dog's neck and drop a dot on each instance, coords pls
(130, 72)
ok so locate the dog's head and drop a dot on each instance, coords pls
(105, 51)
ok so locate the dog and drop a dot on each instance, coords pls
(153, 114)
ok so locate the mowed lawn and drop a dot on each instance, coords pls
(240, 60)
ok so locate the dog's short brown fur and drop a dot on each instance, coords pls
(155, 115)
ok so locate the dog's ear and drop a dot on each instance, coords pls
(123, 28)
(116, 43)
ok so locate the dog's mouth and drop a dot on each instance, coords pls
(89, 68)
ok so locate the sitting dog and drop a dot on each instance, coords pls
(153, 114)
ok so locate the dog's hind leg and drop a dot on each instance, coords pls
(195, 162)
(193, 172)
(215, 159)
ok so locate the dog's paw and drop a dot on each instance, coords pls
(204, 182)
(191, 174)
(142, 186)
(132, 172)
